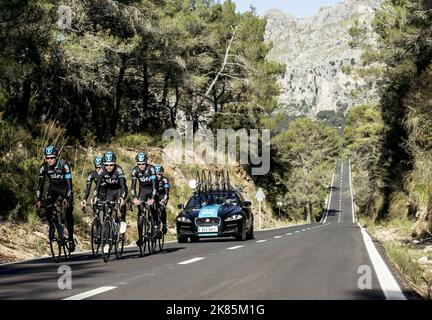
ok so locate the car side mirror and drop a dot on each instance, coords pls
(247, 203)
(180, 206)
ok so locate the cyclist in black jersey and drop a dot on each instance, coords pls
(111, 185)
(163, 195)
(92, 178)
(145, 174)
(59, 185)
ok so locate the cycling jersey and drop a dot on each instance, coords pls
(147, 182)
(114, 181)
(163, 188)
(59, 186)
(91, 177)
(59, 179)
(111, 186)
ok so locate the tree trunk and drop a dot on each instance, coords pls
(308, 211)
(216, 97)
(118, 96)
(165, 92)
(173, 109)
(94, 113)
(145, 86)
(25, 100)
(195, 123)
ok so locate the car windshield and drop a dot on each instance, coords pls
(217, 198)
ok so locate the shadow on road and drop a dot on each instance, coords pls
(333, 212)
(134, 253)
(378, 294)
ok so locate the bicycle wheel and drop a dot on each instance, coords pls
(199, 184)
(222, 180)
(204, 182)
(210, 182)
(119, 243)
(161, 241)
(142, 232)
(106, 239)
(114, 239)
(228, 180)
(55, 245)
(65, 243)
(95, 237)
(151, 234)
(161, 236)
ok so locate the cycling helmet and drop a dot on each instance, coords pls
(98, 161)
(50, 151)
(141, 157)
(109, 157)
(159, 169)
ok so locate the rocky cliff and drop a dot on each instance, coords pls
(317, 55)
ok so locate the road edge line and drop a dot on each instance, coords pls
(388, 283)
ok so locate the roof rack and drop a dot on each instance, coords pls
(208, 182)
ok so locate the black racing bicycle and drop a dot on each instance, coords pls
(96, 230)
(58, 234)
(158, 234)
(110, 234)
(146, 230)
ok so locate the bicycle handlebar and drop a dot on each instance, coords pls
(101, 203)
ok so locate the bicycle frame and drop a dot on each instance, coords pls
(57, 219)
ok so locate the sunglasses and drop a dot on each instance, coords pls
(109, 165)
(141, 164)
(50, 158)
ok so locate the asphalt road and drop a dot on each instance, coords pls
(326, 260)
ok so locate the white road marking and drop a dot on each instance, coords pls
(236, 247)
(352, 198)
(276, 228)
(329, 200)
(289, 233)
(90, 293)
(388, 284)
(191, 260)
(259, 241)
(277, 237)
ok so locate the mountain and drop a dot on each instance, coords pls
(317, 55)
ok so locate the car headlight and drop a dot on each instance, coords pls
(183, 219)
(234, 217)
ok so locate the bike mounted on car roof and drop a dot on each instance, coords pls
(216, 209)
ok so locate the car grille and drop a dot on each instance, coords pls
(207, 222)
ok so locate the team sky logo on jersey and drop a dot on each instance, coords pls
(111, 180)
(56, 176)
(144, 179)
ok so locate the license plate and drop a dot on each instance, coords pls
(208, 229)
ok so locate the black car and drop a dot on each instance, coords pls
(215, 214)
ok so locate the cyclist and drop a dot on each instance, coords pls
(59, 185)
(146, 175)
(111, 185)
(163, 191)
(92, 177)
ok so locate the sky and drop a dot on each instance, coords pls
(298, 8)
